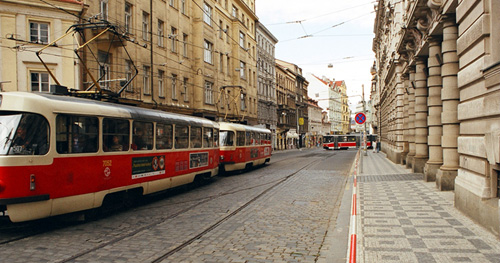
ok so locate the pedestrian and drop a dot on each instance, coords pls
(374, 146)
(378, 145)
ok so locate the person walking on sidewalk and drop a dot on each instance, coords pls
(374, 146)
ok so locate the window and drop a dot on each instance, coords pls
(216, 138)
(39, 32)
(181, 137)
(207, 14)
(220, 29)
(183, 6)
(128, 17)
(209, 92)
(227, 34)
(77, 134)
(185, 88)
(242, 39)
(240, 138)
(195, 137)
(145, 26)
(164, 133)
(221, 63)
(207, 52)
(142, 138)
(40, 81)
(103, 6)
(208, 137)
(160, 33)
(161, 88)
(174, 86)
(185, 45)
(227, 138)
(172, 3)
(129, 65)
(23, 134)
(104, 69)
(235, 12)
(115, 135)
(243, 103)
(145, 80)
(243, 69)
(173, 35)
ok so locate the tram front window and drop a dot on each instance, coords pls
(226, 138)
(23, 134)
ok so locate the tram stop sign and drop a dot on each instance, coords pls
(360, 118)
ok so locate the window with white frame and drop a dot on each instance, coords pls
(243, 67)
(207, 52)
(161, 35)
(183, 6)
(185, 45)
(104, 69)
(173, 39)
(161, 86)
(207, 14)
(128, 17)
(242, 39)
(39, 81)
(145, 26)
(243, 102)
(172, 3)
(174, 86)
(185, 89)
(145, 80)
(39, 32)
(209, 92)
(129, 66)
(103, 6)
(235, 12)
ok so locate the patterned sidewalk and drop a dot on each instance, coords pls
(405, 219)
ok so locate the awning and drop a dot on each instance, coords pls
(292, 135)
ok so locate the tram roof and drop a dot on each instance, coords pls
(49, 103)
(241, 127)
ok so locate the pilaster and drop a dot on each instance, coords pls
(421, 129)
(411, 120)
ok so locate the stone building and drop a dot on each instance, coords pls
(266, 82)
(27, 26)
(194, 57)
(437, 96)
(315, 123)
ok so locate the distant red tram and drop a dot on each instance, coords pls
(336, 142)
(243, 146)
(62, 154)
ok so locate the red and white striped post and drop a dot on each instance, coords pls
(354, 211)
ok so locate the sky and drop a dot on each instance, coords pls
(313, 34)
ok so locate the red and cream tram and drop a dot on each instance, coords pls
(335, 142)
(242, 146)
(61, 154)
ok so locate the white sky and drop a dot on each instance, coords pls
(341, 33)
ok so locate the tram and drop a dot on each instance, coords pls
(336, 142)
(242, 146)
(61, 154)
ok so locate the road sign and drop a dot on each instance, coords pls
(360, 118)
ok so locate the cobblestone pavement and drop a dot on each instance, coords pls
(278, 213)
(404, 219)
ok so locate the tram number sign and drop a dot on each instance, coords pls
(360, 118)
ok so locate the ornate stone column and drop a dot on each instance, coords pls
(434, 104)
(406, 147)
(445, 177)
(411, 121)
(421, 129)
(399, 114)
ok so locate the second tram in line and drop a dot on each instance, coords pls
(337, 142)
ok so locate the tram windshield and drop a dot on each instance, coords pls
(23, 134)
(226, 138)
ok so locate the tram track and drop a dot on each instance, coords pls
(202, 233)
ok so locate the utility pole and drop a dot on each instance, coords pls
(364, 112)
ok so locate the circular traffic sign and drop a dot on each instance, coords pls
(360, 118)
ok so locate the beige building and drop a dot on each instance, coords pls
(437, 96)
(25, 28)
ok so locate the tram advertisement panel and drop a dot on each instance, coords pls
(197, 160)
(148, 166)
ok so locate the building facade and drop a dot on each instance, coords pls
(437, 91)
(28, 26)
(266, 82)
(315, 123)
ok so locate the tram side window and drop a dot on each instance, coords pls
(226, 138)
(24, 134)
(164, 133)
(248, 138)
(77, 134)
(115, 134)
(208, 137)
(257, 138)
(216, 138)
(142, 138)
(196, 137)
(181, 137)
(240, 138)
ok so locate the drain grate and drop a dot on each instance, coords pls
(390, 177)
